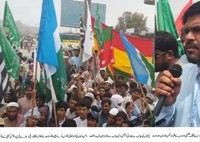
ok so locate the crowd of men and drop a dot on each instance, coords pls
(90, 100)
(98, 100)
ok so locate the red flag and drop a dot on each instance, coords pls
(107, 56)
(179, 18)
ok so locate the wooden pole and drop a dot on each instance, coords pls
(34, 89)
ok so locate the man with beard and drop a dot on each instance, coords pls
(25, 103)
(13, 119)
(181, 107)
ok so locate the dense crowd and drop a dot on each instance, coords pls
(91, 100)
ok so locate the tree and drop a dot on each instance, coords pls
(129, 20)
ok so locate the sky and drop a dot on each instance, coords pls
(29, 11)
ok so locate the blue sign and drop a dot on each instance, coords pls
(71, 10)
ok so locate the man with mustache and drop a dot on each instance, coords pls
(182, 104)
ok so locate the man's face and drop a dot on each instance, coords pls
(60, 113)
(106, 108)
(135, 95)
(190, 35)
(76, 52)
(160, 61)
(111, 119)
(39, 102)
(101, 92)
(83, 112)
(72, 104)
(91, 123)
(29, 92)
(119, 121)
(12, 113)
(107, 86)
(7, 98)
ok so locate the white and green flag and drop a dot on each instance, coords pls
(9, 22)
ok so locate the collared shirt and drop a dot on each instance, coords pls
(70, 115)
(185, 111)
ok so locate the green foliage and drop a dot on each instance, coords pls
(130, 20)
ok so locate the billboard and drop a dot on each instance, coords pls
(71, 10)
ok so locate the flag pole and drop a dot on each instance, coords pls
(54, 99)
(34, 87)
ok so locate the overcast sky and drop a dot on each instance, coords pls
(29, 11)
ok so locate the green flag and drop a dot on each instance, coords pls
(41, 88)
(59, 79)
(98, 29)
(10, 57)
(9, 22)
(165, 22)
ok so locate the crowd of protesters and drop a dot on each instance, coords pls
(90, 100)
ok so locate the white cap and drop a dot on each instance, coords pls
(13, 104)
(149, 95)
(90, 95)
(102, 69)
(113, 111)
(107, 81)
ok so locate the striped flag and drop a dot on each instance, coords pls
(3, 76)
(50, 52)
(143, 69)
(82, 32)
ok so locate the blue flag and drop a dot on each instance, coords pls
(46, 45)
(143, 69)
(50, 52)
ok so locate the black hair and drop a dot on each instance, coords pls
(41, 95)
(69, 123)
(165, 41)
(194, 9)
(61, 104)
(133, 85)
(127, 104)
(129, 123)
(137, 90)
(29, 84)
(108, 95)
(122, 114)
(124, 85)
(85, 103)
(106, 101)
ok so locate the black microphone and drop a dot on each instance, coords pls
(176, 71)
